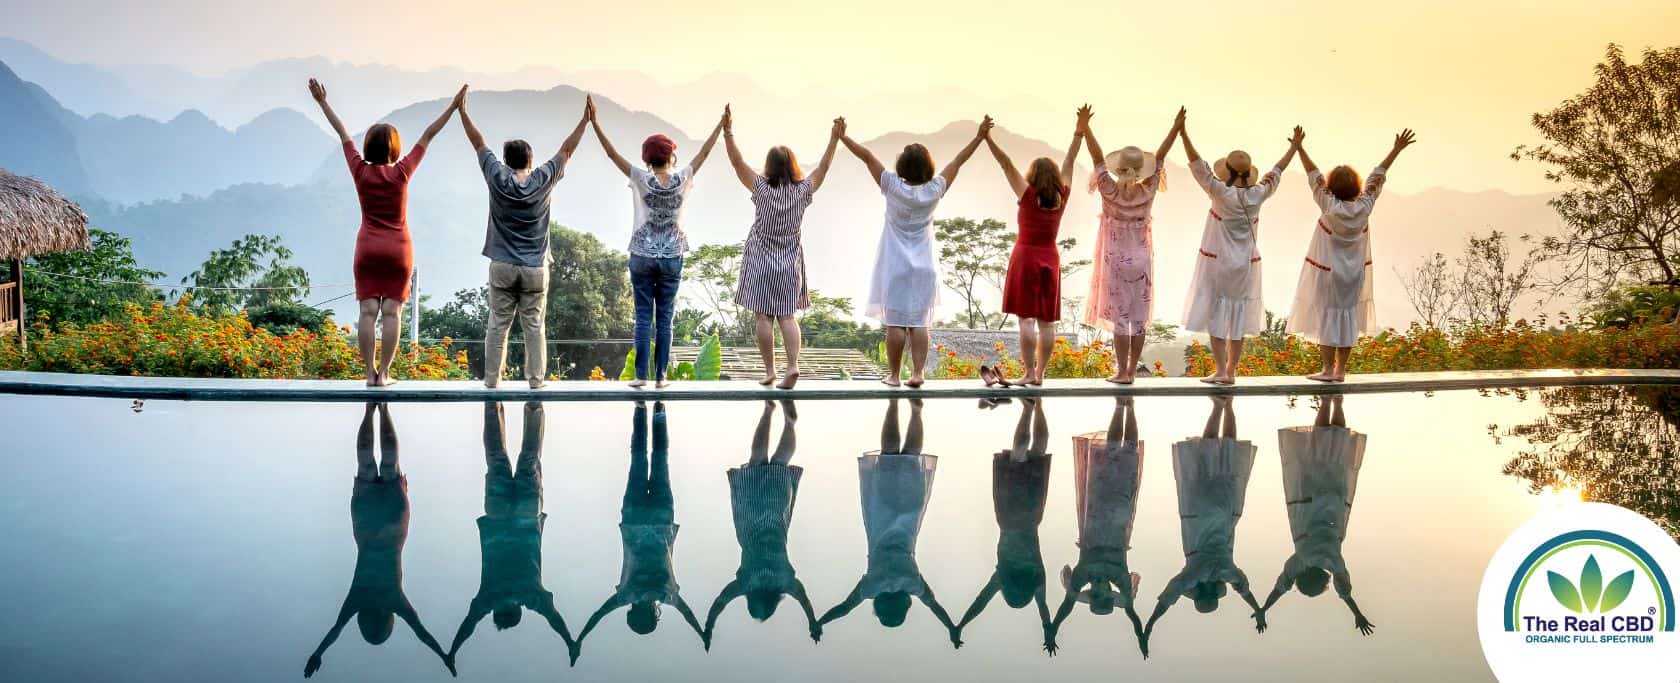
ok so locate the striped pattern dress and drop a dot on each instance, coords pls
(773, 261)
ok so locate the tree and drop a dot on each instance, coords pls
(78, 289)
(972, 253)
(828, 324)
(1612, 148)
(1490, 283)
(1433, 289)
(1070, 266)
(715, 269)
(254, 271)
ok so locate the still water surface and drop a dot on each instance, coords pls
(240, 541)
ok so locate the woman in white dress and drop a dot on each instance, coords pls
(904, 289)
(1212, 474)
(1107, 472)
(1333, 300)
(896, 483)
(1224, 299)
(1320, 473)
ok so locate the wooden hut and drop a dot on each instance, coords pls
(34, 219)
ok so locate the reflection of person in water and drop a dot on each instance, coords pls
(1320, 472)
(648, 528)
(762, 493)
(379, 521)
(1212, 474)
(1107, 472)
(510, 532)
(896, 483)
(1020, 485)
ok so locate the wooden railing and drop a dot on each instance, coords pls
(8, 307)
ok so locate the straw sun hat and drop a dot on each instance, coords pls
(1130, 164)
(1236, 161)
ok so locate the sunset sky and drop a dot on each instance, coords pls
(1466, 75)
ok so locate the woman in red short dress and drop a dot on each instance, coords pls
(384, 251)
(1032, 291)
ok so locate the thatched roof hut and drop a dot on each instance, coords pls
(35, 219)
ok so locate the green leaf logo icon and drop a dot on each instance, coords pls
(1564, 591)
(1617, 591)
(1592, 584)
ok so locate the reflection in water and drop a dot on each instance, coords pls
(896, 483)
(1618, 445)
(1212, 473)
(1320, 473)
(379, 521)
(1020, 486)
(1107, 472)
(761, 494)
(648, 529)
(510, 532)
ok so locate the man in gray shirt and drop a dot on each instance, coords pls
(516, 242)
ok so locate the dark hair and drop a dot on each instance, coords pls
(1207, 595)
(891, 608)
(915, 164)
(506, 617)
(1020, 584)
(1044, 178)
(382, 144)
(781, 167)
(1344, 183)
(761, 604)
(1312, 581)
(642, 617)
(517, 154)
(376, 625)
(657, 150)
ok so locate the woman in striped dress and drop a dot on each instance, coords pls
(772, 283)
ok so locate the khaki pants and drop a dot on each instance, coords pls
(523, 290)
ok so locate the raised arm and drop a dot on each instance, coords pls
(606, 146)
(1294, 146)
(475, 612)
(1184, 135)
(688, 616)
(1306, 161)
(344, 613)
(569, 146)
(804, 601)
(1167, 144)
(1011, 175)
(551, 614)
(834, 135)
(981, 600)
(443, 118)
(1081, 124)
(1401, 142)
(319, 92)
(728, 595)
(982, 133)
(408, 615)
(1093, 149)
(743, 172)
(1359, 621)
(474, 138)
(867, 157)
(932, 603)
(706, 147)
(845, 607)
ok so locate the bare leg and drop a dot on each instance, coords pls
(367, 469)
(366, 319)
(390, 324)
(913, 432)
(388, 465)
(761, 437)
(1136, 356)
(1018, 445)
(1046, 347)
(1029, 351)
(896, 337)
(1230, 421)
(1219, 348)
(918, 356)
(1342, 354)
(1233, 358)
(1336, 417)
(1211, 429)
(1040, 431)
(765, 334)
(1131, 419)
(1322, 416)
(1326, 356)
(784, 447)
(790, 342)
(889, 429)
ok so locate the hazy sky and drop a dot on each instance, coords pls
(1465, 73)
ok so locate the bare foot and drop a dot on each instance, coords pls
(637, 384)
(1322, 377)
(788, 380)
(916, 381)
(1225, 380)
(385, 380)
(769, 379)
(1212, 379)
(537, 383)
(1121, 379)
(890, 381)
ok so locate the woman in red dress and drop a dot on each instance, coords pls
(384, 251)
(1032, 291)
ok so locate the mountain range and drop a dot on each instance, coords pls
(186, 184)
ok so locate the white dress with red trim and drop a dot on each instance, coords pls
(1224, 299)
(1334, 298)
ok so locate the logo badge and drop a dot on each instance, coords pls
(1583, 590)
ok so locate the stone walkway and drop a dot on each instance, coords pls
(179, 388)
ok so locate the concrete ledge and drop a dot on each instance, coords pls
(194, 389)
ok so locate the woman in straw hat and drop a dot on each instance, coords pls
(1224, 299)
(1123, 276)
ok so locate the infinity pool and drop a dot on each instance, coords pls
(244, 541)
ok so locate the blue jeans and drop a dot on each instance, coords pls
(654, 282)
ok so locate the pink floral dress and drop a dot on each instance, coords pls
(1122, 294)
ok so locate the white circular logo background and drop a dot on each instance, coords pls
(1582, 593)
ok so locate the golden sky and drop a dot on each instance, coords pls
(1466, 74)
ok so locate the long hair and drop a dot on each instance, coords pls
(382, 144)
(1344, 183)
(781, 167)
(915, 164)
(1045, 179)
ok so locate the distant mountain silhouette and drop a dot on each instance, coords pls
(34, 138)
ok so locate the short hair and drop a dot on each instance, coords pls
(642, 617)
(1344, 183)
(891, 608)
(781, 167)
(1207, 595)
(382, 144)
(506, 617)
(1045, 180)
(761, 604)
(657, 150)
(376, 625)
(1312, 581)
(915, 164)
(517, 154)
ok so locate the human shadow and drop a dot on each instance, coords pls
(895, 484)
(510, 532)
(1020, 487)
(1320, 474)
(648, 529)
(762, 494)
(1212, 473)
(379, 521)
(1107, 473)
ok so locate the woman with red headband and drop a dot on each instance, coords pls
(657, 242)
